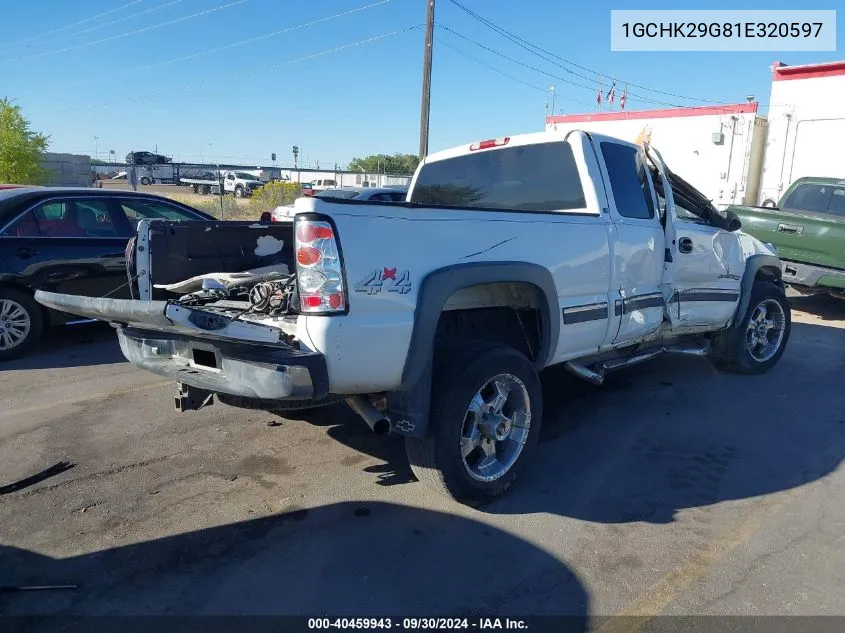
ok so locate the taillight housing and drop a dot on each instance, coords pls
(319, 266)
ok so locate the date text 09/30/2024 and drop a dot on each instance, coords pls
(417, 624)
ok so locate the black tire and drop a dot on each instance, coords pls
(205, 189)
(239, 192)
(736, 355)
(34, 312)
(145, 181)
(459, 373)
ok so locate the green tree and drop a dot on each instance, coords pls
(403, 164)
(20, 148)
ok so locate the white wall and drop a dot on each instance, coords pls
(684, 137)
(806, 126)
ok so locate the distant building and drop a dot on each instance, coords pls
(718, 149)
(67, 170)
(806, 126)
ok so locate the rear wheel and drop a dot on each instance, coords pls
(21, 323)
(761, 337)
(145, 181)
(485, 416)
(239, 192)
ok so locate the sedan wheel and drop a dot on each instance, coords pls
(21, 322)
(15, 324)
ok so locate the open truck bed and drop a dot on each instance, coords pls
(194, 283)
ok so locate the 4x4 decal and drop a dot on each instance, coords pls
(394, 281)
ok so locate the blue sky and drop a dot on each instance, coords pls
(121, 76)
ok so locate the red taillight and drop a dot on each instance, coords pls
(308, 256)
(307, 233)
(493, 142)
(319, 267)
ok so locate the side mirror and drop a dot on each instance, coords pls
(266, 217)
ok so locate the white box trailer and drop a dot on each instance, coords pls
(718, 149)
(806, 126)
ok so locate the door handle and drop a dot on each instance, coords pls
(685, 245)
(26, 253)
(790, 228)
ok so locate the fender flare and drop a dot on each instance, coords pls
(439, 285)
(754, 265)
(410, 404)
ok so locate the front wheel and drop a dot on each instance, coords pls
(21, 323)
(759, 340)
(146, 181)
(239, 192)
(485, 420)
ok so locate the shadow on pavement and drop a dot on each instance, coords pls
(668, 435)
(822, 305)
(373, 559)
(72, 346)
(347, 428)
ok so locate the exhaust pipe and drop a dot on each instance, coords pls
(375, 419)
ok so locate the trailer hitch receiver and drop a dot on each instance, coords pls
(192, 398)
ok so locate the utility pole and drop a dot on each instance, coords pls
(425, 107)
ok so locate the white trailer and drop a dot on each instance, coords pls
(719, 149)
(806, 126)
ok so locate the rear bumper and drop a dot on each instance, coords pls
(251, 370)
(812, 276)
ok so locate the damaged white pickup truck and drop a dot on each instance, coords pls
(433, 317)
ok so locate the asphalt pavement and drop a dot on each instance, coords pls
(673, 489)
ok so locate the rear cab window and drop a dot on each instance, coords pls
(817, 198)
(541, 177)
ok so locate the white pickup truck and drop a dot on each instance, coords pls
(239, 183)
(433, 317)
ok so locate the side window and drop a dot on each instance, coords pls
(24, 226)
(136, 210)
(628, 181)
(380, 197)
(399, 196)
(72, 218)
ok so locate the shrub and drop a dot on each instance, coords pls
(272, 195)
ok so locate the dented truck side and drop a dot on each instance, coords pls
(433, 317)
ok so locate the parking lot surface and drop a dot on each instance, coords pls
(673, 489)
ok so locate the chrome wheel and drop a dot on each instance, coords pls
(15, 324)
(765, 331)
(495, 427)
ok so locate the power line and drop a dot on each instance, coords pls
(62, 28)
(136, 31)
(104, 25)
(228, 46)
(504, 74)
(518, 62)
(533, 48)
(240, 75)
(440, 40)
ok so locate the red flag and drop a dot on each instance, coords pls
(611, 94)
(623, 100)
